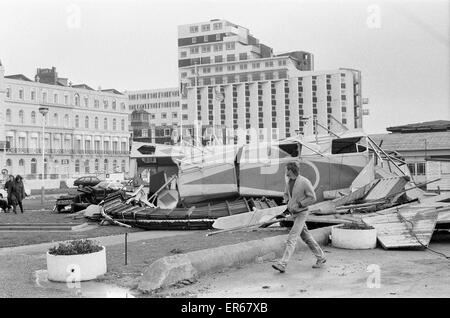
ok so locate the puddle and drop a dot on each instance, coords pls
(88, 289)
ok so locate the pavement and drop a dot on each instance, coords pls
(21, 267)
(347, 273)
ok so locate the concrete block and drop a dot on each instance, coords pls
(167, 271)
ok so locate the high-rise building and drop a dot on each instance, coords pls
(86, 130)
(239, 91)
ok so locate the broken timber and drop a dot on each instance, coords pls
(404, 227)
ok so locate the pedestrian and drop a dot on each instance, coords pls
(8, 188)
(299, 193)
(3, 203)
(17, 193)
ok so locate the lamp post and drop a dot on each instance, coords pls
(43, 111)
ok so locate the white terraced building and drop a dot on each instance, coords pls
(86, 130)
(237, 85)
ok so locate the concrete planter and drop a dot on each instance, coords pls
(354, 239)
(73, 268)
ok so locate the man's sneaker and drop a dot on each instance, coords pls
(279, 268)
(319, 263)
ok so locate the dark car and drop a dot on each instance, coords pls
(86, 181)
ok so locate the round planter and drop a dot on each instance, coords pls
(355, 239)
(74, 268)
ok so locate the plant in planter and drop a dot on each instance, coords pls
(76, 260)
(354, 236)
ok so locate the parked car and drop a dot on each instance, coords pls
(88, 181)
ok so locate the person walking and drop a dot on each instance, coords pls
(299, 193)
(8, 188)
(17, 193)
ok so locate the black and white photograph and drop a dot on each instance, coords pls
(224, 154)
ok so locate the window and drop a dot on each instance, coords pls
(194, 40)
(421, 168)
(8, 115)
(21, 93)
(105, 124)
(66, 99)
(77, 166)
(77, 121)
(206, 70)
(230, 67)
(243, 66)
(255, 65)
(164, 116)
(217, 26)
(86, 102)
(33, 117)
(77, 100)
(114, 124)
(21, 117)
(122, 124)
(122, 166)
(55, 119)
(96, 103)
(412, 168)
(21, 163)
(33, 95)
(183, 54)
(114, 105)
(242, 56)
(105, 104)
(194, 50)
(218, 47)
(96, 165)
(122, 105)
(230, 57)
(8, 162)
(44, 97)
(217, 37)
(66, 120)
(96, 123)
(218, 59)
(174, 115)
(8, 92)
(33, 165)
(205, 27)
(86, 122)
(185, 117)
(105, 165)
(230, 46)
(193, 29)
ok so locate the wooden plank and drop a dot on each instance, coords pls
(248, 218)
(404, 228)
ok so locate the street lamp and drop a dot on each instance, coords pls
(43, 111)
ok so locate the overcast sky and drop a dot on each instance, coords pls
(401, 47)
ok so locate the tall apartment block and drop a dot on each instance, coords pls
(236, 89)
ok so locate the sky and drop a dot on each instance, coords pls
(401, 47)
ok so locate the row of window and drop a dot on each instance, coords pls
(78, 101)
(155, 105)
(261, 76)
(205, 27)
(154, 95)
(54, 120)
(65, 162)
